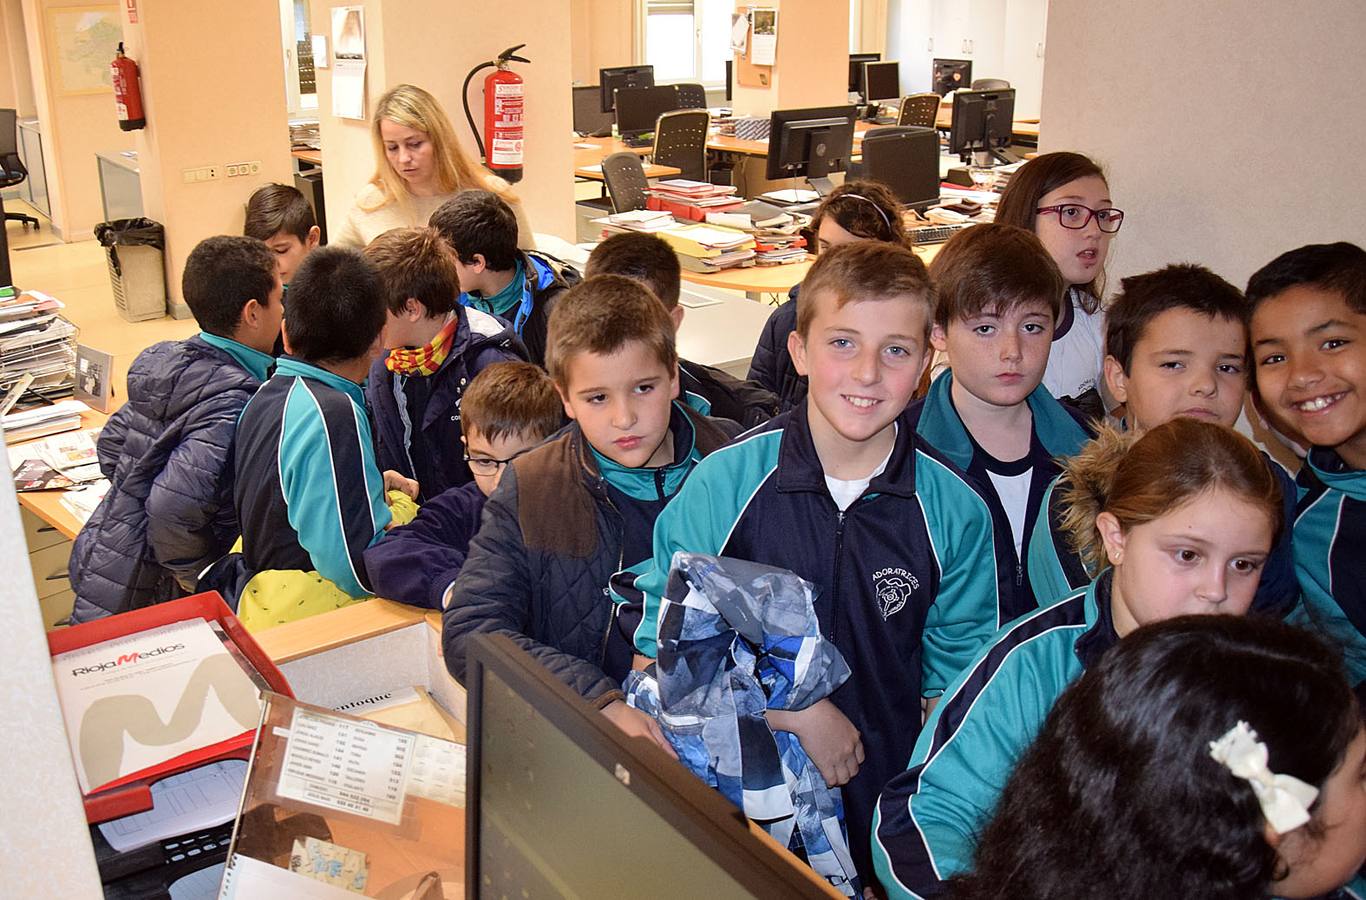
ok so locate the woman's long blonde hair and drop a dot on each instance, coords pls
(415, 108)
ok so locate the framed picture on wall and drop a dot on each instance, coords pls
(81, 43)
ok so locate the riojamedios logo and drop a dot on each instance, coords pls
(124, 659)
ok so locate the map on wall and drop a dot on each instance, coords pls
(81, 42)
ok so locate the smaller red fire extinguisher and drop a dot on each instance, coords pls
(504, 115)
(127, 91)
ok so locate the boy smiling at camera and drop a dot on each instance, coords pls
(568, 514)
(1309, 346)
(839, 491)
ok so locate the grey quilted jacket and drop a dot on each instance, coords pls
(169, 511)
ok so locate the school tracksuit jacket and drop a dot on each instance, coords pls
(1058, 429)
(929, 816)
(1054, 570)
(1330, 532)
(904, 593)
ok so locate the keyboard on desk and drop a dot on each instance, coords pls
(644, 140)
(935, 234)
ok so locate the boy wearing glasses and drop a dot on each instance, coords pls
(583, 505)
(1000, 294)
(436, 346)
(509, 408)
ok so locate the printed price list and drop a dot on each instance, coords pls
(346, 765)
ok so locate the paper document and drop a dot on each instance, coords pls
(793, 195)
(133, 703)
(343, 764)
(191, 801)
(200, 885)
(251, 879)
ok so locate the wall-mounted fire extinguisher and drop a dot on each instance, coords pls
(504, 115)
(127, 91)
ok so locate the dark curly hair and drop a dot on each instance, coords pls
(1118, 797)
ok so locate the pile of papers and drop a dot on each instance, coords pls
(34, 339)
(56, 462)
(777, 234)
(304, 134)
(647, 221)
(691, 200)
(710, 248)
(39, 421)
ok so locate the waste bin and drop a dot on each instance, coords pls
(137, 268)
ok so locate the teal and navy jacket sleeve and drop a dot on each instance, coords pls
(967, 608)
(332, 487)
(928, 817)
(1052, 566)
(1330, 530)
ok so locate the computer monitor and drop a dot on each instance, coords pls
(982, 122)
(620, 77)
(555, 792)
(639, 108)
(881, 81)
(588, 115)
(810, 142)
(905, 159)
(950, 75)
(856, 61)
(730, 79)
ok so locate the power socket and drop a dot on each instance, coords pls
(246, 168)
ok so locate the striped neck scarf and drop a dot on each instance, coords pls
(423, 360)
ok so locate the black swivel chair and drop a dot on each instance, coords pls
(12, 169)
(919, 110)
(692, 96)
(681, 141)
(625, 178)
(991, 84)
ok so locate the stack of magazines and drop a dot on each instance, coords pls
(35, 340)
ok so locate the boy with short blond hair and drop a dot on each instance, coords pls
(435, 347)
(280, 216)
(999, 296)
(566, 515)
(1175, 346)
(840, 491)
(1309, 345)
(509, 408)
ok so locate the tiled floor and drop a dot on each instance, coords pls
(78, 275)
(22, 236)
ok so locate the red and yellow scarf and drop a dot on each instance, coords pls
(423, 360)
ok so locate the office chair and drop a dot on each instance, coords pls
(681, 141)
(990, 84)
(691, 96)
(919, 110)
(625, 178)
(12, 169)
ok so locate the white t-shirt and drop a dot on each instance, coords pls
(1013, 491)
(845, 492)
(1078, 351)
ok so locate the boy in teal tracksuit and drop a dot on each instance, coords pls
(1309, 345)
(999, 295)
(839, 491)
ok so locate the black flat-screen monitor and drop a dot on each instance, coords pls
(639, 108)
(881, 81)
(588, 115)
(950, 75)
(905, 159)
(559, 802)
(620, 77)
(810, 142)
(856, 61)
(730, 79)
(982, 122)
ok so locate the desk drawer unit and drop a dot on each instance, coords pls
(48, 555)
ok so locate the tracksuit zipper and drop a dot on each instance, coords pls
(835, 580)
(621, 560)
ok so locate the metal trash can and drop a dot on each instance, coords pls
(135, 249)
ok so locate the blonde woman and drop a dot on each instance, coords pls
(418, 167)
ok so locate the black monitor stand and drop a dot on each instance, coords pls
(985, 145)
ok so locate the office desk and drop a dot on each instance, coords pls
(1028, 129)
(588, 151)
(758, 280)
(312, 157)
(594, 172)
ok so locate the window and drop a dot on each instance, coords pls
(301, 91)
(688, 40)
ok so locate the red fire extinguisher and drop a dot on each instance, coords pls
(127, 91)
(504, 115)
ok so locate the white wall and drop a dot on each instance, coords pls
(1232, 129)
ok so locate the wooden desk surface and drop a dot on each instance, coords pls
(309, 156)
(47, 505)
(590, 151)
(774, 279)
(594, 172)
(333, 629)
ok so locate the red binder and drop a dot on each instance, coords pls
(133, 793)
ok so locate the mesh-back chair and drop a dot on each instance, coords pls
(919, 110)
(990, 84)
(12, 170)
(626, 184)
(692, 96)
(681, 141)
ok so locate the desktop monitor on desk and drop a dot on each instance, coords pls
(549, 780)
(950, 75)
(640, 108)
(905, 159)
(589, 119)
(856, 63)
(881, 81)
(615, 78)
(982, 123)
(810, 142)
